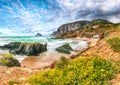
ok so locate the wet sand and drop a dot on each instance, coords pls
(41, 61)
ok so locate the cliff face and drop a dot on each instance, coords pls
(82, 29)
(70, 27)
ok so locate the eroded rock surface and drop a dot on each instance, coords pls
(25, 48)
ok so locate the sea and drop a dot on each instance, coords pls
(52, 43)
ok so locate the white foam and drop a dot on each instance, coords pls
(20, 58)
(75, 44)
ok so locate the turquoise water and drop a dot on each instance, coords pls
(52, 43)
(7, 39)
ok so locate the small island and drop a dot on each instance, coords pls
(38, 35)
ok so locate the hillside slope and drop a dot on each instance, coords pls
(103, 48)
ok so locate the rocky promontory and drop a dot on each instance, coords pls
(89, 29)
(70, 27)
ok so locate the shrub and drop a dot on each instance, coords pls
(9, 60)
(8, 56)
(85, 71)
(106, 33)
(14, 83)
(118, 28)
(63, 58)
(114, 43)
(91, 30)
(61, 64)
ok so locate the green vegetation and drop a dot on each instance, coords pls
(8, 60)
(62, 64)
(118, 28)
(114, 43)
(106, 34)
(63, 58)
(85, 71)
(8, 56)
(13, 83)
(91, 29)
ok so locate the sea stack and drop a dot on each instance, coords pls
(38, 35)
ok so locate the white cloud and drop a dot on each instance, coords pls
(33, 18)
(6, 31)
(115, 19)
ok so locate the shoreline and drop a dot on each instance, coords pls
(37, 62)
(90, 41)
(47, 58)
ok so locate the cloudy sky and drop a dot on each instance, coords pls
(19, 17)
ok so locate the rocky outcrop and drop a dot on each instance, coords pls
(70, 27)
(11, 46)
(70, 30)
(89, 29)
(38, 35)
(66, 48)
(8, 60)
(30, 49)
(25, 48)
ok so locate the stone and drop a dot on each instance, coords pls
(11, 45)
(30, 49)
(25, 48)
(66, 48)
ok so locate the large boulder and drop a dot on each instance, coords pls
(66, 48)
(11, 45)
(25, 48)
(9, 60)
(30, 49)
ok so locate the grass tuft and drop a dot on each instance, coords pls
(114, 43)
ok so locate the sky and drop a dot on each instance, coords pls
(22, 17)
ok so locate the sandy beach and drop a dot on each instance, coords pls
(91, 41)
(44, 60)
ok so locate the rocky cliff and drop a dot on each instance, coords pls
(82, 29)
(70, 27)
